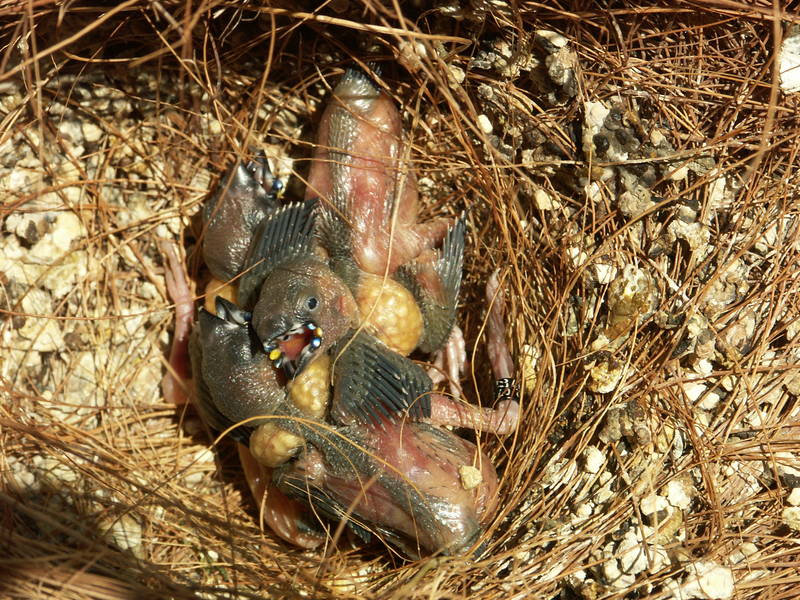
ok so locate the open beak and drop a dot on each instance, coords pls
(291, 346)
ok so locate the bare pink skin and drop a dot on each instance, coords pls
(416, 487)
(175, 382)
(504, 418)
(281, 514)
(501, 420)
(359, 167)
(448, 362)
(500, 357)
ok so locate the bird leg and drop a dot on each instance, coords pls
(286, 516)
(497, 347)
(449, 361)
(501, 420)
(504, 418)
(175, 384)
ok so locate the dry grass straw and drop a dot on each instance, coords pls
(121, 501)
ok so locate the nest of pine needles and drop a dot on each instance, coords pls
(631, 169)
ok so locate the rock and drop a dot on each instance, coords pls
(550, 40)
(707, 579)
(593, 460)
(696, 235)
(789, 64)
(632, 296)
(604, 274)
(678, 494)
(744, 553)
(455, 75)
(653, 504)
(485, 124)
(693, 390)
(791, 517)
(66, 229)
(544, 201)
(62, 277)
(604, 377)
(91, 132)
(40, 328)
(125, 532)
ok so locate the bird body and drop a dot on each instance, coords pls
(398, 481)
(368, 219)
(301, 350)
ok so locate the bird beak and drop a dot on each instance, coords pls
(290, 345)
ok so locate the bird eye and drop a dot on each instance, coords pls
(312, 303)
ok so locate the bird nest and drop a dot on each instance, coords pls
(632, 173)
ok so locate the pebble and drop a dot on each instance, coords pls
(577, 256)
(693, 390)
(678, 495)
(696, 235)
(485, 124)
(91, 132)
(791, 517)
(744, 552)
(604, 274)
(794, 497)
(125, 532)
(789, 64)
(43, 332)
(456, 75)
(544, 201)
(706, 580)
(717, 192)
(71, 129)
(605, 376)
(631, 296)
(593, 460)
(551, 37)
(201, 463)
(653, 504)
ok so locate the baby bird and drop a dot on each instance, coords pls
(242, 201)
(402, 482)
(368, 221)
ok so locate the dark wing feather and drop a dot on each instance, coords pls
(373, 384)
(435, 284)
(285, 234)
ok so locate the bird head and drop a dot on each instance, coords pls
(303, 308)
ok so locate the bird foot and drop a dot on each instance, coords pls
(175, 384)
(449, 361)
(501, 420)
(499, 355)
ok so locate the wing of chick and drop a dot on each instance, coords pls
(242, 199)
(401, 482)
(435, 280)
(368, 197)
(285, 234)
(373, 384)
